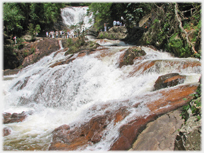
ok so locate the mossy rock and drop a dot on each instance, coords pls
(130, 55)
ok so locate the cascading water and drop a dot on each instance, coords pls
(77, 16)
(65, 94)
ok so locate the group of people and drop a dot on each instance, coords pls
(117, 23)
(61, 34)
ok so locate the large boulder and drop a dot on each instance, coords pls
(161, 133)
(155, 66)
(130, 55)
(38, 50)
(116, 32)
(15, 117)
(167, 103)
(80, 136)
(168, 80)
(66, 138)
(28, 38)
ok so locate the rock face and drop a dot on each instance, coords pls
(168, 80)
(189, 136)
(89, 133)
(29, 53)
(40, 49)
(66, 138)
(130, 55)
(155, 65)
(129, 132)
(161, 133)
(11, 72)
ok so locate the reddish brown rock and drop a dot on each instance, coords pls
(147, 65)
(90, 132)
(179, 96)
(6, 131)
(168, 80)
(129, 132)
(41, 49)
(65, 138)
(15, 117)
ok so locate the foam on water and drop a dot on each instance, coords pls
(65, 94)
(75, 15)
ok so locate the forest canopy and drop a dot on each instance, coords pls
(169, 28)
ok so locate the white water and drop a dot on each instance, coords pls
(75, 15)
(65, 93)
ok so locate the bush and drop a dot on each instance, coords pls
(194, 105)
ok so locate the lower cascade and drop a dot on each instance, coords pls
(94, 102)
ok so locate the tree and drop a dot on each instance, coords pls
(102, 13)
(12, 19)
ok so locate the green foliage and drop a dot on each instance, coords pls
(33, 30)
(69, 42)
(102, 13)
(12, 18)
(74, 46)
(20, 17)
(194, 105)
(32, 50)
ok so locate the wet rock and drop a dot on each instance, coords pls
(65, 138)
(168, 80)
(130, 55)
(10, 71)
(167, 103)
(15, 117)
(130, 131)
(6, 131)
(71, 139)
(155, 66)
(161, 133)
(21, 84)
(90, 132)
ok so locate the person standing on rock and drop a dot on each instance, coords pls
(105, 27)
(56, 34)
(114, 23)
(47, 34)
(60, 34)
(67, 34)
(118, 23)
(15, 39)
(122, 20)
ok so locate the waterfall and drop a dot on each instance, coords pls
(60, 44)
(76, 16)
(65, 94)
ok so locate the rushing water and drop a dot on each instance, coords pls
(76, 16)
(65, 93)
